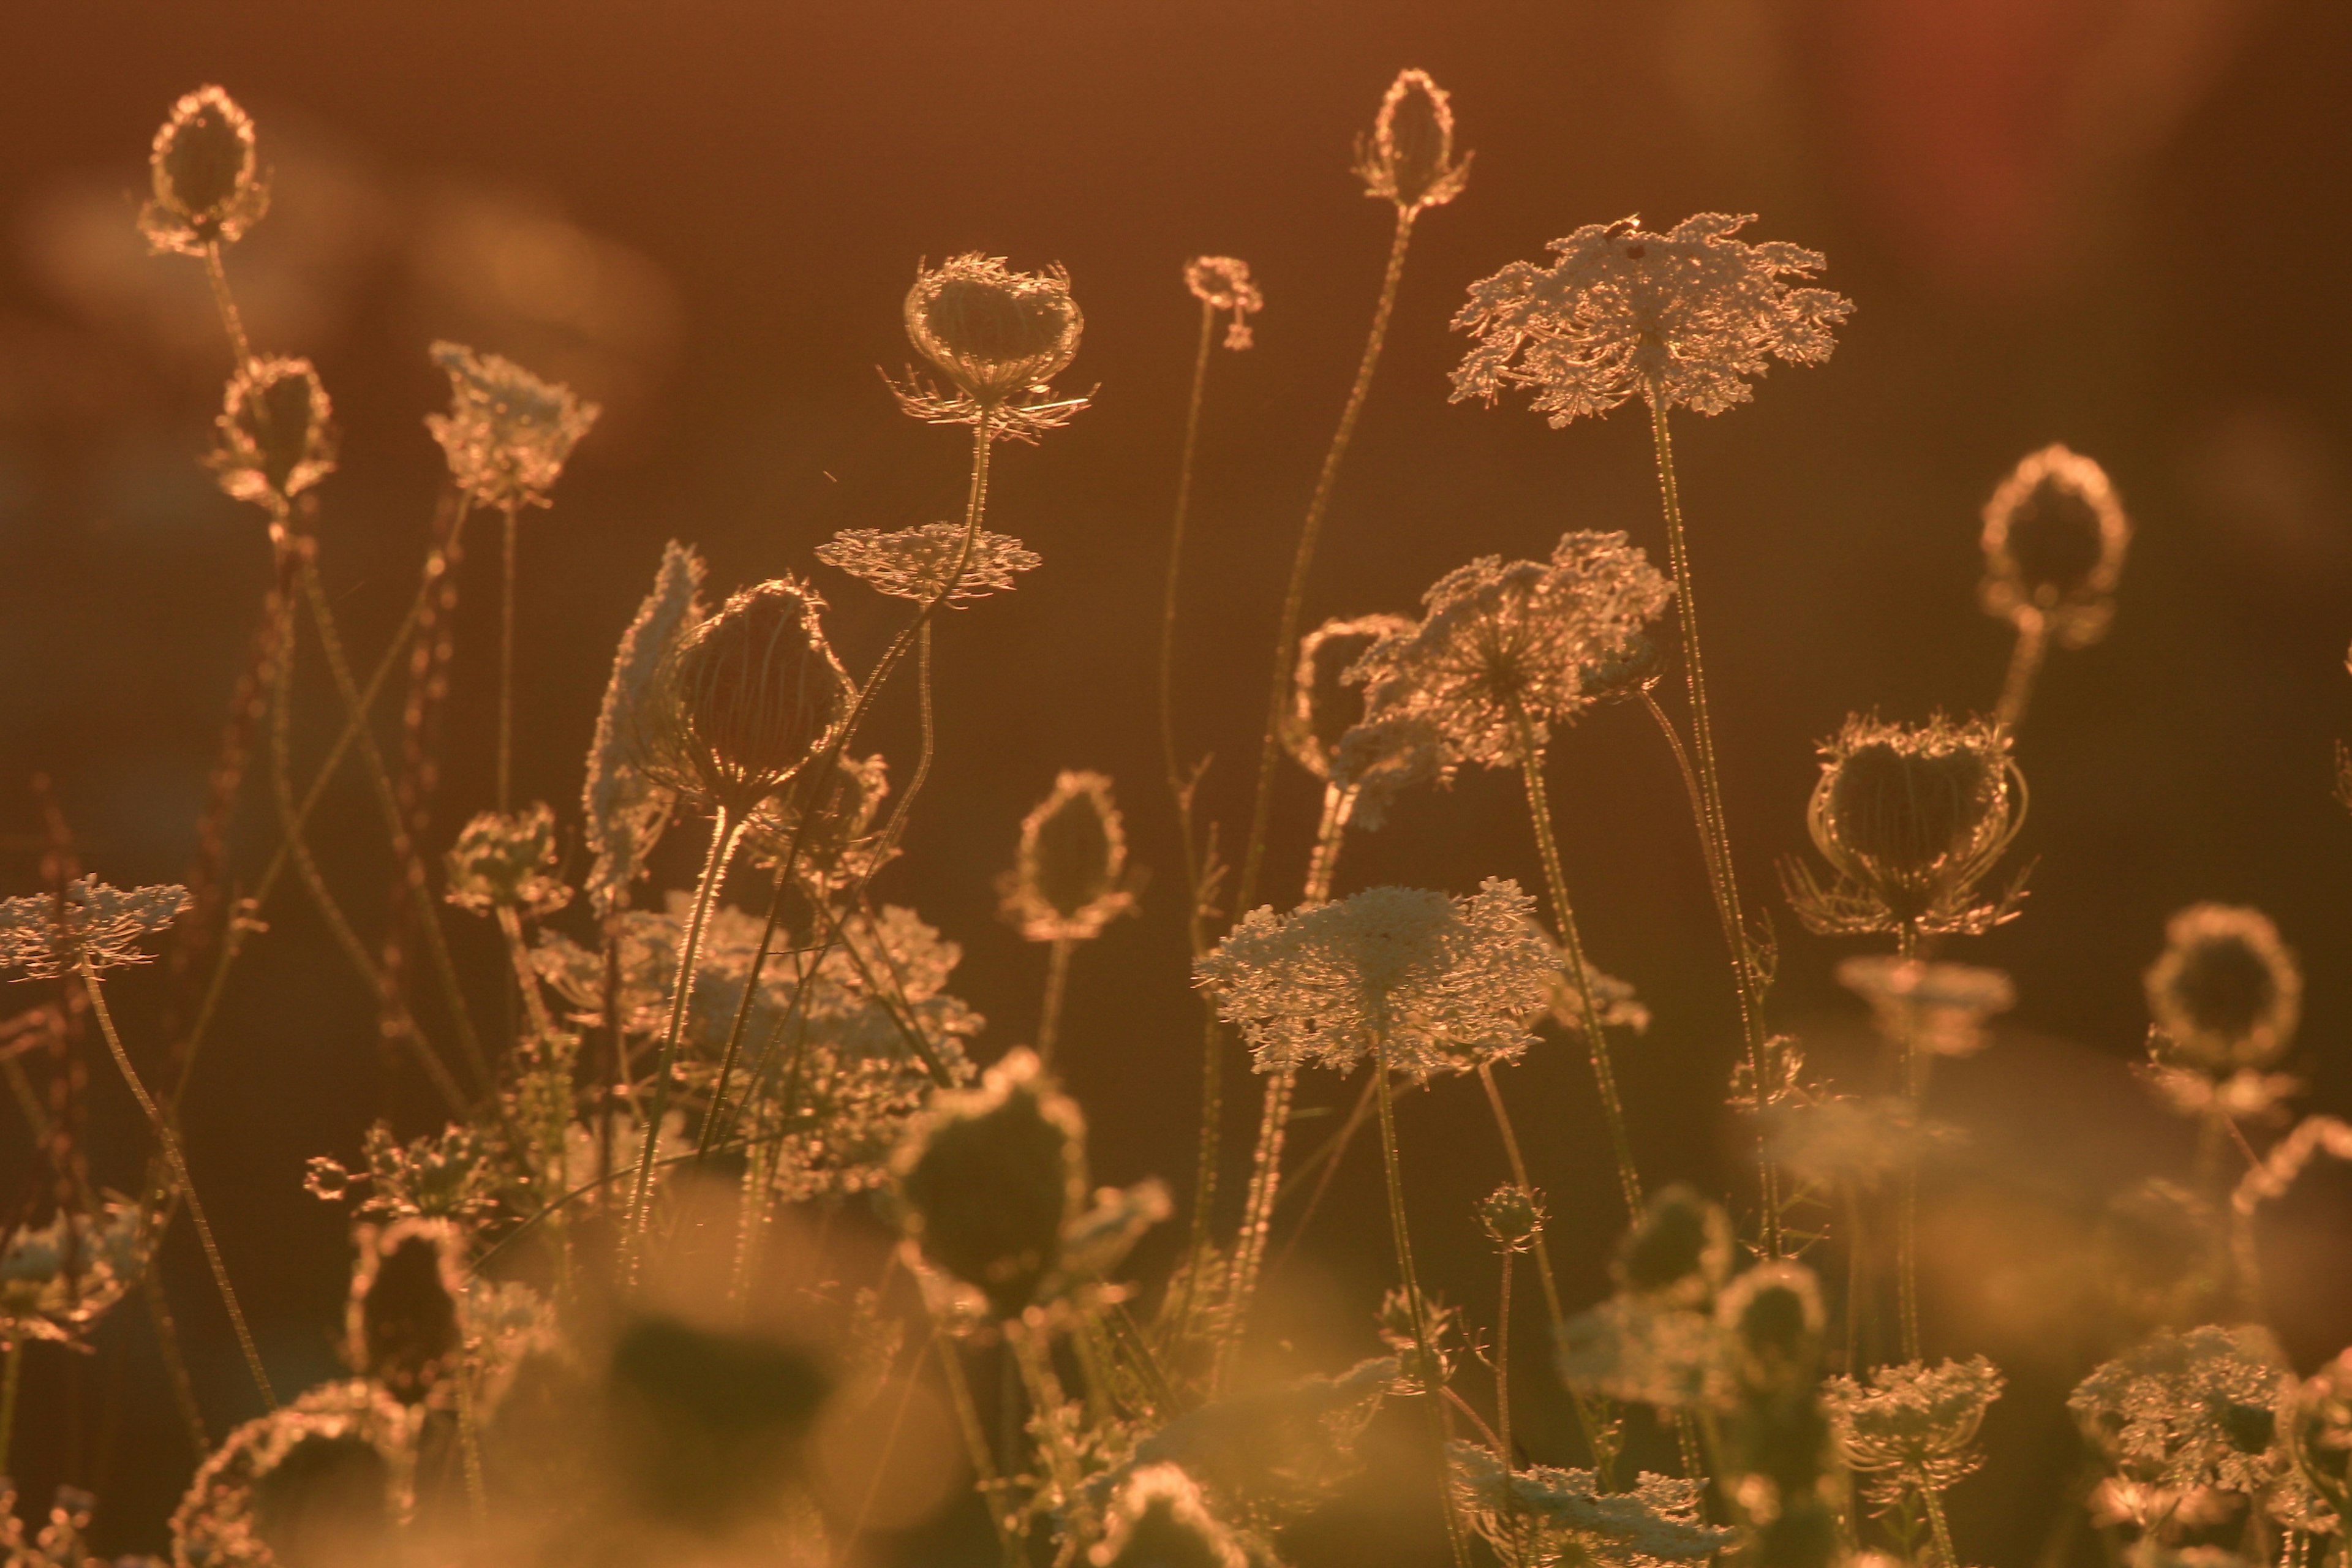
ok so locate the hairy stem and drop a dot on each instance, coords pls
(1179, 788)
(1057, 981)
(505, 792)
(232, 319)
(1519, 1176)
(2025, 666)
(1914, 1086)
(1427, 1372)
(1942, 1527)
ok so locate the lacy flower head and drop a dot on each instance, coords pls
(2189, 1411)
(2226, 993)
(58, 1279)
(507, 434)
(1158, 1519)
(1910, 817)
(508, 859)
(745, 699)
(839, 844)
(1500, 656)
(1425, 982)
(1542, 1516)
(999, 336)
(1683, 319)
(1912, 1426)
(207, 180)
(1410, 158)
(1937, 1007)
(44, 935)
(1070, 877)
(918, 562)
(2054, 537)
(275, 434)
(1222, 283)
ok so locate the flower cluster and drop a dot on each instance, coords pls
(1936, 1007)
(88, 925)
(1410, 158)
(1913, 1426)
(923, 562)
(58, 1279)
(507, 434)
(507, 860)
(2186, 1411)
(1543, 1515)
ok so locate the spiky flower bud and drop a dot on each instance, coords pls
(276, 435)
(747, 699)
(1680, 1249)
(2054, 537)
(1071, 878)
(1512, 1217)
(207, 180)
(1410, 158)
(507, 859)
(2226, 992)
(1222, 283)
(993, 332)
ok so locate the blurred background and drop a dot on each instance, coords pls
(2116, 224)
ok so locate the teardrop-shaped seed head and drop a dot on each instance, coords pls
(205, 176)
(1410, 159)
(993, 331)
(1070, 879)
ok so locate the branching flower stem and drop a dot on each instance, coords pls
(1426, 1372)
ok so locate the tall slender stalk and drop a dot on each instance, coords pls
(1058, 983)
(232, 319)
(1714, 826)
(1179, 788)
(505, 794)
(1941, 1526)
(2025, 666)
(1428, 1371)
(1915, 1091)
(8, 1379)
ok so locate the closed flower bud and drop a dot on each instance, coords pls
(403, 1321)
(1512, 1218)
(1679, 1248)
(1071, 878)
(993, 332)
(207, 182)
(1410, 159)
(2226, 992)
(277, 437)
(747, 699)
(2054, 537)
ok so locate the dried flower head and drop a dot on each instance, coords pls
(1542, 1516)
(746, 700)
(919, 563)
(2226, 993)
(507, 434)
(1679, 1252)
(2054, 537)
(1937, 1007)
(1158, 1519)
(508, 859)
(327, 1477)
(1409, 158)
(1222, 283)
(1512, 1217)
(207, 180)
(1499, 658)
(1071, 878)
(58, 1279)
(1427, 983)
(1323, 709)
(48, 934)
(401, 1328)
(277, 435)
(1912, 1427)
(623, 810)
(840, 846)
(1910, 817)
(999, 336)
(2189, 1410)
(1683, 319)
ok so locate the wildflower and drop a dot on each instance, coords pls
(1070, 879)
(1683, 319)
(1158, 1519)
(507, 434)
(1442, 1324)
(1410, 158)
(1641, 1352)
(1424, 981)
(2226, 993)
(996, 334)
(1499, 657)
(2189, 1410)
(624, 810)
(840, 846)
(2054, 537)
(275, 435)
(1774, 1310)
(504, 859)
(89, 924)
(1222, 283)
(746, 698)
(1936, 1007)
(208, 179)
(455, 1173)
(915, 563)
(1913, 1426)
(1379, 759)
(1911, 817)
(1574, 1519)
(1512, 1217)
(58, 1279)
(329, 1474)
(1323, 710)
(1679, 1252)
(401, 1325)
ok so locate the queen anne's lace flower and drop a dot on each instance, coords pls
(58, 1279)
(1912, 1427)
(508, 859)
(1501, 654)
(2190, 1410)
(46, 935)
(1937, 1007)
(1683, 319)
(507, 434)
(1222, 283)
(915, 562)
(1542, 1516)
(999, 336)
(1428, 982)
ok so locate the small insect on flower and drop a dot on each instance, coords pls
(58, 1279)
(746, 700)
(1409, 158)
(1910, 817)
(208, 184)
(1912, 1427)
(45, 935)
(918, 563)
(1222, 283)
(1427, 982)
(1937, 1007)
(2226, 993)
(276, 435)
(508, 859)
(1071, 878)
(2186, 1411)
(507, 434)
(1683, 319)
(1158, 1519)
(998, 336)
(2055, 538)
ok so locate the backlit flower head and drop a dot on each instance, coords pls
(840, 844)
(915, 563)
(1158, 1519)
(1938, 1007)
(508, 859)
(207, 180)
(1323, 708)
(1222, 283)
(1914, 1427)
(623, 811)
(1428, 982)
(330, 1474)
(1774, 1312)
(1640, 1350)
(58, 1279)
(400, 1329)
(2055, 538)
(1070, 877)
(1573, 1518)
(44, 935)
(2226, 993)
(1910, 817)
(999, 336)
(276, 433)
(1683, 319)
(2189, 1410)
(1409, 159)
(1512, 1217)
(1500, 656)
(1678, 1251)
(507, 434)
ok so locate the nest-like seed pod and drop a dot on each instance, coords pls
(277, 435)
(2055, 538)
(403, 1321)
(993, 332)
(1916, 815)
(1410, 158)
(1323, 709)
(2226, 993)
(1680, 1249)
(746, 698)
(1070, 877)
(1512, 1217)
(206, 177)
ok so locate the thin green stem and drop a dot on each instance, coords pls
(1503, 1376)
(469, 1444)
(1257, 1214)
(1428, 1372)
(176, 1365)
(169, 1141)
(975, 1442)
(1323, 865)
(2025, 666)
(504, 795)
(1058, 983)
(542, 1025)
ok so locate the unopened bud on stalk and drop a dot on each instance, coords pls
(207, 181)
(1071, 878)
(2054, 537)
(1410, 158)
(277, 435)
(993, 332)
(1512, 1217)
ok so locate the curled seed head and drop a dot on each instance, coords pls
(1070, 877)
(1410, 158)
(207, 181)
(276, 433)
(2226, 992)
(993, 332)
(1323, 708)
(2055, 538)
